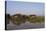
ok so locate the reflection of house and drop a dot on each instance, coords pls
(23, 17)
(33, 16)
(17, 15)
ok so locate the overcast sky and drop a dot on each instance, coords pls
(27, 8)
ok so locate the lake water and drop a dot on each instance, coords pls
(26, 25)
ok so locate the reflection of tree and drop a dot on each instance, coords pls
(18, 18)
(7, 18)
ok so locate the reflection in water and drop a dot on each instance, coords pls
(26, 25)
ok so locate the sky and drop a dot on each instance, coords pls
(26, 8)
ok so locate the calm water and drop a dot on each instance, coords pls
(26, 25)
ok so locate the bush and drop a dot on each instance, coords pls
(38, 19)
(18, 20)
